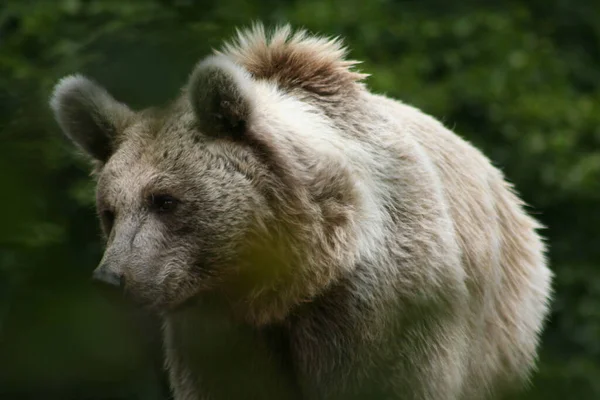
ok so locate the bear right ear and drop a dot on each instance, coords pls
(222, 96)
(89, 115)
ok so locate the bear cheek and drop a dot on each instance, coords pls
(170, 281)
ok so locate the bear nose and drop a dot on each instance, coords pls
(105, 275)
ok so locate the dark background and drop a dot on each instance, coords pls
(521, 80)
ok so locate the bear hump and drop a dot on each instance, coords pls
(294, 60)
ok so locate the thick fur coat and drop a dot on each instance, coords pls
(340, 244)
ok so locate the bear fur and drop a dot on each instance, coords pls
(304, 238)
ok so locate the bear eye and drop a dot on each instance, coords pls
(107, 218)
(162, 202)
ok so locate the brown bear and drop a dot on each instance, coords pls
(302, 237)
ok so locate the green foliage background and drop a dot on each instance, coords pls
(521, 80)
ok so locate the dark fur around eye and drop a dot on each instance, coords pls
(107, 218)
(162, 203)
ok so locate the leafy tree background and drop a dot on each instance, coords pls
(518, 79)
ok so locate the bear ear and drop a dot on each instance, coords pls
(88, 115)
(222, 96)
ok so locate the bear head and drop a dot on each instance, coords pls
(239, 186)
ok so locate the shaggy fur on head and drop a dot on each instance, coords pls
(294, 60)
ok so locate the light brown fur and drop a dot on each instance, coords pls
(358, 247)
(294, 60)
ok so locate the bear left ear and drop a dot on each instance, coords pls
(222, 95)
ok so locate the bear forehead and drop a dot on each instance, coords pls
(158, 137)
(124, 177)
(141, 164)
